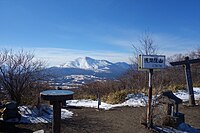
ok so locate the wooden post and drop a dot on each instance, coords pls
(189, 82)
(169, 109)
(150, 62)
(188, 76)
(149, 111)
(176, 109)
(98, 100)
(56, 116)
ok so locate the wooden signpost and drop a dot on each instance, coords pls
(188, 75)
(149, 63)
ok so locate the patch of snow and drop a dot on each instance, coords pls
(168, 130)
(135, 100)
(183, 94)
(88, 103)
(42, 115)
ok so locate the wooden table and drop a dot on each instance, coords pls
(56, 97)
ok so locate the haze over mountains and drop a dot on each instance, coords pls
(86, 69)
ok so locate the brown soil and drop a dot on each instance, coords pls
(89, 120)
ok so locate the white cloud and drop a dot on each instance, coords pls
(122, 37)
(168, 45)
(58, 56)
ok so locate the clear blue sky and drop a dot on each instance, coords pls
(61, 30)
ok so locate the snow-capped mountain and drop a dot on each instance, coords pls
(88, 63)
(88, 69)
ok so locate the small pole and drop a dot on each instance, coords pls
(149, 113)
(99, 100)
(38, 106)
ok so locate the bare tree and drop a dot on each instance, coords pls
(146, 46)
(18, 70)
(195, 54)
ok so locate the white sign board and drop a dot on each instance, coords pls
(151, 62)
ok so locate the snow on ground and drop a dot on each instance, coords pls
(45, 113)
(42, 115)
(135, 100)
(183, 94)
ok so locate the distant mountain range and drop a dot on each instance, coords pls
(88, 69)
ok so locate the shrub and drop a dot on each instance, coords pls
(117, 96)
(175, 88)
(92, 97)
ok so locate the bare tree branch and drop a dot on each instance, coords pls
(18, 70)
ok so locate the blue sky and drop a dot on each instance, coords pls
(62, 30)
